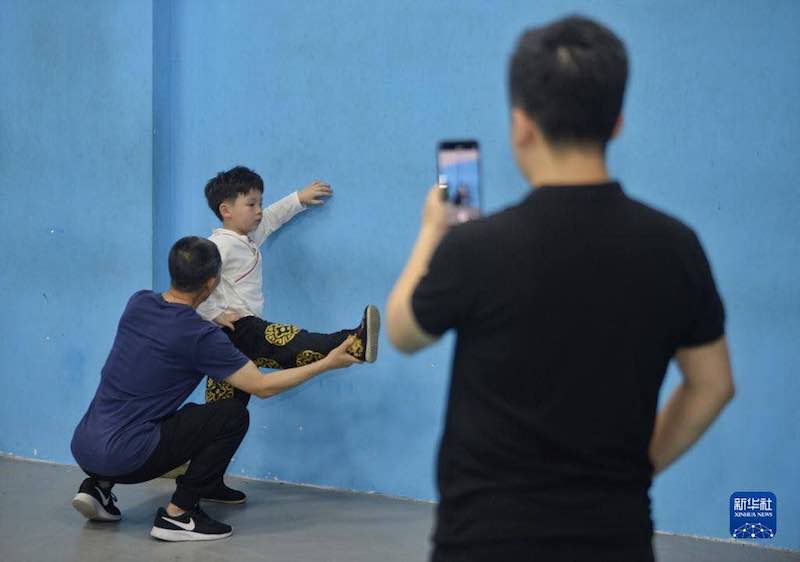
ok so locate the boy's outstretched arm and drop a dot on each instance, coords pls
(283, 210)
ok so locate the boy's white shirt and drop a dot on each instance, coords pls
(240, 289)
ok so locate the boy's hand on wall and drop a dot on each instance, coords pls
(315, 193)
(226, 320)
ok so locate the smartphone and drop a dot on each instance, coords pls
(458, 173)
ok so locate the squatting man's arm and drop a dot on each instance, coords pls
(251, 380)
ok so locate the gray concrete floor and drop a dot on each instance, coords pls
(280, 523)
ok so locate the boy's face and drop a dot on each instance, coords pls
(243, 214)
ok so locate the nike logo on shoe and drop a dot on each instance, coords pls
(186, 526)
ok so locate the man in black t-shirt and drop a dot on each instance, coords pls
(568, 308)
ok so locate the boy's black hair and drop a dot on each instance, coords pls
(569, 77)
(227, 186)
(192, 262)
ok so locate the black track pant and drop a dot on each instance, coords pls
(206, 435)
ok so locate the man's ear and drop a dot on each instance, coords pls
(524, 130)
(617, 126)
(206, 290)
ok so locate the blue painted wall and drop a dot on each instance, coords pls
(712, 135)
(358, 93)
(75, 205)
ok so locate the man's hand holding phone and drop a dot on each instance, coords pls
(434, 213)
(443, 188)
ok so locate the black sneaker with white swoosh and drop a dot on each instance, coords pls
(194, 525)
(95, 503)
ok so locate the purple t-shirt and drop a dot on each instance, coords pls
(161, 352)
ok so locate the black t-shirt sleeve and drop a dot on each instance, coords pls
(441, 299)
(706, 319)
(216, 356)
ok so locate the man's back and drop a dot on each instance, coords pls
(568, 308)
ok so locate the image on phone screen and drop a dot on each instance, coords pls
(458, 169)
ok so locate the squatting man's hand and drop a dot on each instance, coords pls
(226, 319)
(339, 358)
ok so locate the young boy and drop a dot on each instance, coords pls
(237, 303)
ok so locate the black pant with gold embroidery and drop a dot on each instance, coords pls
(275, 346)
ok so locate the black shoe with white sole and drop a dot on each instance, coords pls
(194, 525)
(95, 503)
(365, 345)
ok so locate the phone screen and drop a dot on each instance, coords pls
(458, 169)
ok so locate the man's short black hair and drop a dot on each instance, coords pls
(226, 186)
(192, 262)
(569, 77)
